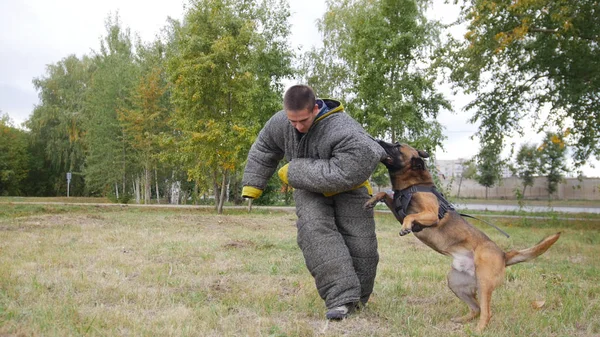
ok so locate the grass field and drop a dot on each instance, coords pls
(124, 271)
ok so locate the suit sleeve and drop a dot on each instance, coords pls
(264, 155)
(353, 160)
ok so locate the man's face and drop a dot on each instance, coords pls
(302, 119)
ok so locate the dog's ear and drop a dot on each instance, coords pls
(423, 154)
(417, 163)
(388, 160)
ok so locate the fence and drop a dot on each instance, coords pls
(569, 189)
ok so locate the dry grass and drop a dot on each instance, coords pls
(93, 271)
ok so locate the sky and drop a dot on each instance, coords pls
(35, 33)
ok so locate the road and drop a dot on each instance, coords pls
(499, 208)
(464, 208)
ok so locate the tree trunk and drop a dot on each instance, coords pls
(117, 191)
(223, 191)
(156, 181)
(175, 189)
(136, 189)
(147, 185)
(216, 191)
(227, 189)
(459, 184)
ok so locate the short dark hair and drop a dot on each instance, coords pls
(299, 97)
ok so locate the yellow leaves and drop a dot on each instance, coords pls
(469, 35)
(503, 41)
(541, 147)
(538, 304)
(518, 33)
(558, 140)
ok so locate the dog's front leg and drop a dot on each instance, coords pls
(423, 219)
(381, 196)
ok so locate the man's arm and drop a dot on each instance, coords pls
(263, 157)
(353, 161)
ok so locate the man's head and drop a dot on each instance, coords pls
(299, 103)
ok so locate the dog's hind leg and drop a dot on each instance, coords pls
(489, 267)
(464, 286)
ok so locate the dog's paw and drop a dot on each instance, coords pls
(370, 204)
(405, 231)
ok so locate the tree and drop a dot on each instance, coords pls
(14, 157)
(489, 167)
(148, 116)
(226, 65)
(381, 177)
(57, 122)
(552, 154)
(469, 171)
(532, 60)
(527, 164)
(374, 55)
(108, 159)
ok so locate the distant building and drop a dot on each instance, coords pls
(455, 168)
(450, 168)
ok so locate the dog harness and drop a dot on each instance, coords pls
(403, 197)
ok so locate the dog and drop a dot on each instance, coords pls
(478, 264)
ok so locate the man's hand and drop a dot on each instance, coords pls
(251, 192)
(283, 173)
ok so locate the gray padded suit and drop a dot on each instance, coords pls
(336, 235)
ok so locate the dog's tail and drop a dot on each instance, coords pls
(524, 255)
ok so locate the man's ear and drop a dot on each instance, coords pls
(423, 154)
(417, 163)
(316, 109)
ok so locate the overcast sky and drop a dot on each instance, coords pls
(35, 33)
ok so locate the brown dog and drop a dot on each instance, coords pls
(479, 264)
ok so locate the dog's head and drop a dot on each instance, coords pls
(401, 156)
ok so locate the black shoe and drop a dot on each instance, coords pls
(341, 312)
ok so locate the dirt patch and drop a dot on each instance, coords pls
(238, 244)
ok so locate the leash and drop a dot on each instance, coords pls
(485, 222)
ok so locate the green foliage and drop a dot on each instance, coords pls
(489, 166)
(272, 194)
(148, 116)
(527, 165)
(532, 60)
(552, 160)
(469, 169)
(108, 161)
(381, 176)
(374, 57)
(57, 122)
(14, 157)
(520, 197)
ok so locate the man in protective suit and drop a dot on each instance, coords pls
(330, 159)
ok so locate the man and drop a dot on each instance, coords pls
(330, 157)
